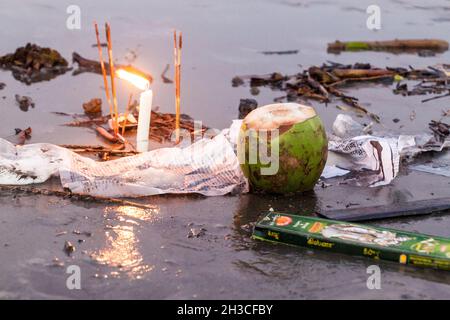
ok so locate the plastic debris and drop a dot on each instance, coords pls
(209, 167)
(344, 127)
(375, 160)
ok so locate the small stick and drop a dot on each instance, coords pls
(126, 113)
(177, 57)
(163, 75)
(105, 80)
(436, 97)
(73, 195)
(111, 66)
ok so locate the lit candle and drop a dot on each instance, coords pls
(145, 106)
(145, 112)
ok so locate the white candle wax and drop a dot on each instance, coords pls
(145, 112)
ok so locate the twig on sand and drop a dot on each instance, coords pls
(437, 97)
(163, 75)
(71, 195)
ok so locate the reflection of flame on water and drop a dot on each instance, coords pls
(141, 214)
(121, 250)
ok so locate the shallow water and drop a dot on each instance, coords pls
(135, 253)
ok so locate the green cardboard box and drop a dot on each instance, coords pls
(356, 239)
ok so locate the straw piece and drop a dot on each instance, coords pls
(105, 80)
(113, 87)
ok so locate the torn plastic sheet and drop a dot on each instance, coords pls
(209, 167)
(374, 160)
(412, 145)
(331, 171)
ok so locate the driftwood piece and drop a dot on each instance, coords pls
(396, 46)
(87, 65)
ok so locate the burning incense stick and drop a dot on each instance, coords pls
(126, 113)
(112, 73)
(105, 80)
(177, 65)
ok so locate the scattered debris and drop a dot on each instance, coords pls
(2, 85)
(434, 80)
(345, 127)
(322, 83)
(246, 106)
(237, 81)
(24, 102)
(131, 55)
(440, 129)
(196, 232)
(324, 185)
(94, 106)
(85, 122)
(57, 263)
(396, 120)
(394, 46)
(254, 91)
(33, 63)
(161, 129)
(282, 52)
(84, 233)
(102, 44)
(69, 248)
(23, 135)
(104, 133)
(248, 227)
(163, 75)
(351, 204)
(102, 152)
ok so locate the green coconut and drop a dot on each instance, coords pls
(302, 148)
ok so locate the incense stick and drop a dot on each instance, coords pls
(111, 67)
(177, 65)
(105, 80)
(126, 113)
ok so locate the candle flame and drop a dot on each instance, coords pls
(138, 81)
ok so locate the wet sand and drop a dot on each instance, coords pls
(136, 253)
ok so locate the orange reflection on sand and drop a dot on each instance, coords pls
(121, 250)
